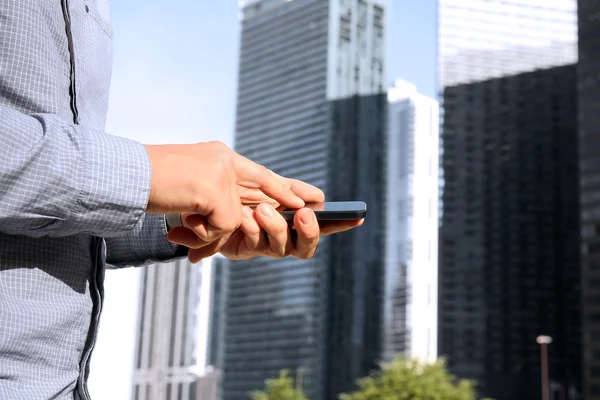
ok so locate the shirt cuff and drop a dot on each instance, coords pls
(116, 187)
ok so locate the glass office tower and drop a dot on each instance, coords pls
(508, 250)
(311, 105)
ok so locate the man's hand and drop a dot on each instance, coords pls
(207, 179)
(263, 232)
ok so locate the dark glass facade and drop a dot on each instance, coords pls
(275, 311)
(356, 259)
(303, 117)
(589, 145)
(509, 262)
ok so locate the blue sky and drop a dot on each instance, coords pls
(174, 81)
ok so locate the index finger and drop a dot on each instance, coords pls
(256, 176)
(306, 191)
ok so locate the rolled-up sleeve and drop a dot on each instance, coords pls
(61, 179)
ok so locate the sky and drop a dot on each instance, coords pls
(174, 81)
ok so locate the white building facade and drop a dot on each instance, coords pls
(410, 316)
(171, 334)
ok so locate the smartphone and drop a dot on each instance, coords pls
(332, 211)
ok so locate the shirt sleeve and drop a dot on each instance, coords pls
(147, 243)
(60, 179)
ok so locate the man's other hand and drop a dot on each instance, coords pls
(263, 232)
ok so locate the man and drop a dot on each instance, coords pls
(73, 198)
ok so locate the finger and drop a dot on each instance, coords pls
(196, 255)
(254, 197)
(185, 237)
(277, 229)
(205, 230)
(254, 239)
(234, 249)
(331, 227)
(256, 176)
(306, 191)
(308, 233)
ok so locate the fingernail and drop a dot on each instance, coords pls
(247, 212)
(306, 218)
(266, 210)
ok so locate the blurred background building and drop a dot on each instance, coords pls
(589, 164)
(217, 303)
(311, 104)
(509, 239)
(509, 260)
(410, 300)
(169, 345)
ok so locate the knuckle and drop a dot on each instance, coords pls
(280, 230)
(229, 225)
(313, 240)
(222, 156)
(222, 166)
(216, 144)
(279, 250)
(262, 173)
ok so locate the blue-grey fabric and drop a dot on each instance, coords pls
(72, 197)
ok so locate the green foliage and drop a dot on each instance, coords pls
(407, 379)
(281, 388)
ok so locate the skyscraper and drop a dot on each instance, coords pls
(589, 163)
(509, 240)
(311, 105)
(167, 360)
(218, 276)
(217, 299)
(508, 251)
(410, 316)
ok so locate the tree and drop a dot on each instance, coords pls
(409, 379)
(281, 388)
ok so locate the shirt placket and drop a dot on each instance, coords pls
(98, 246)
